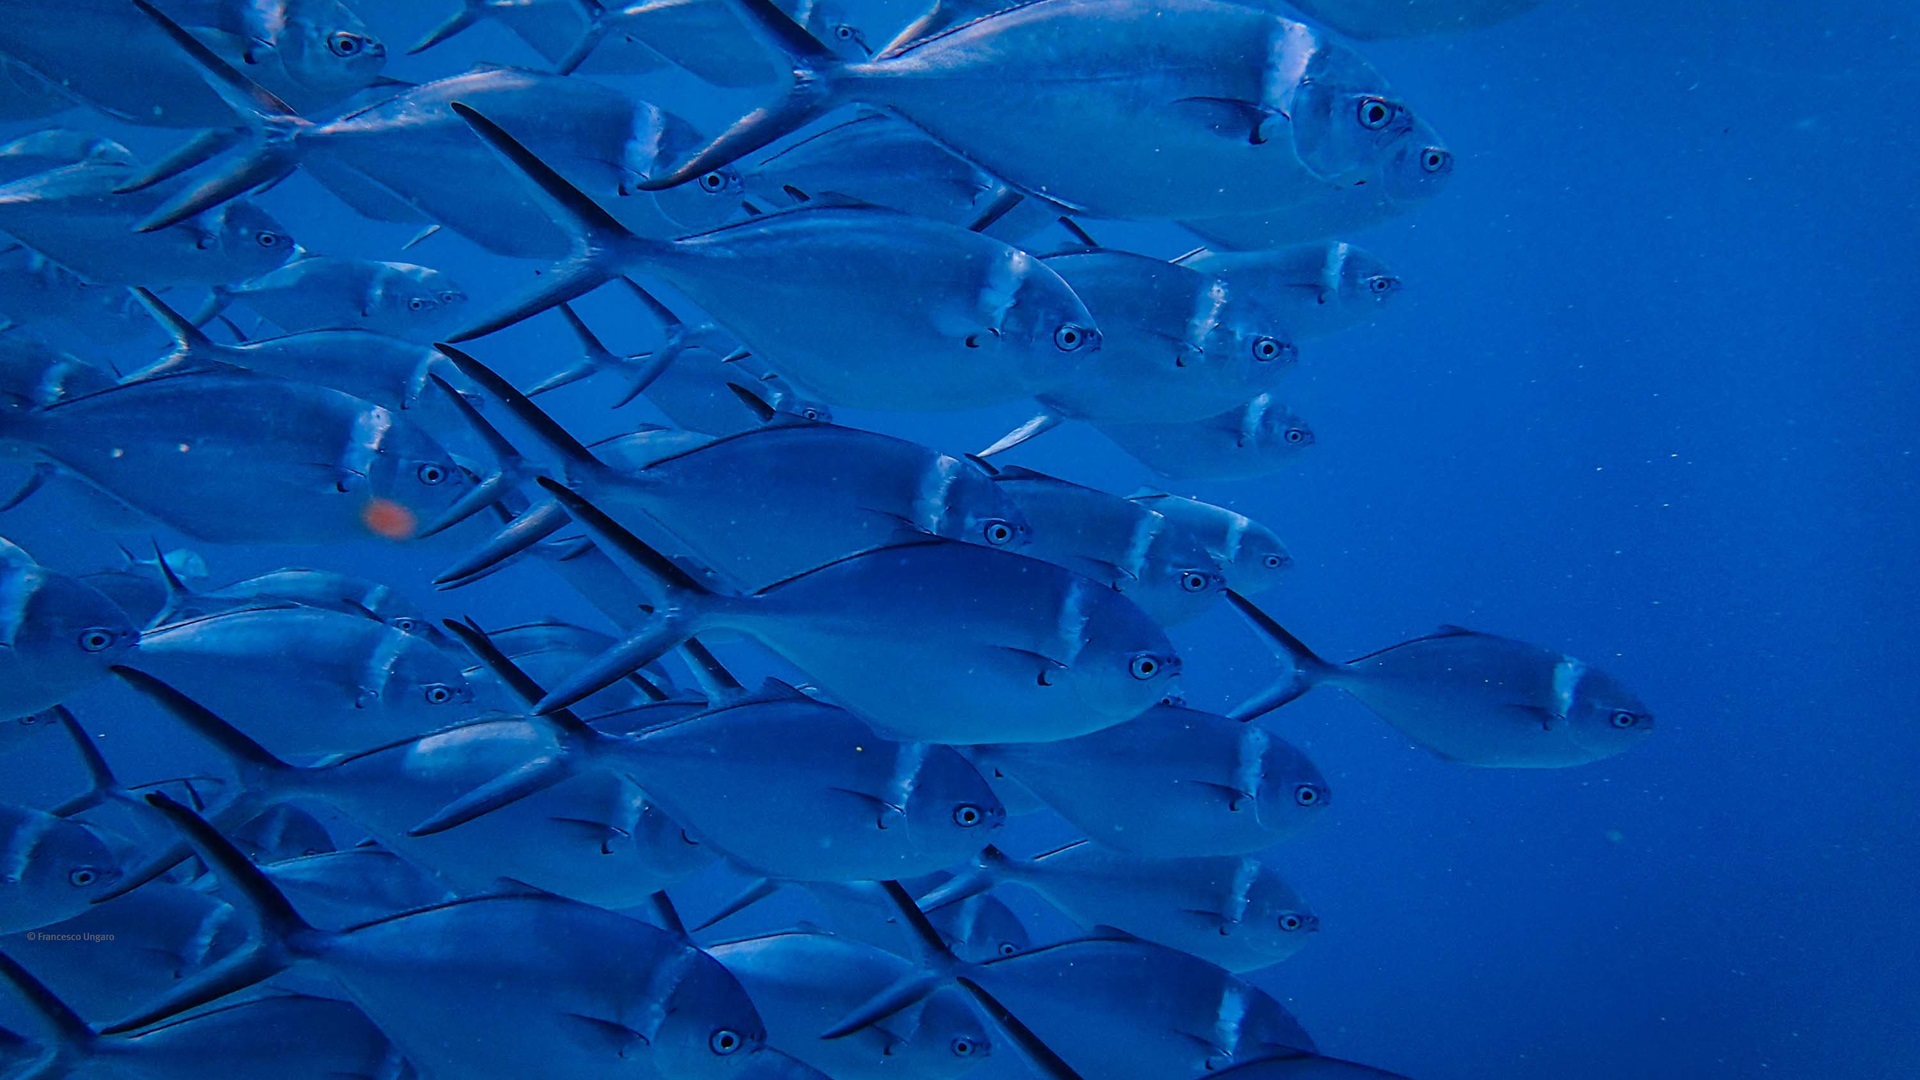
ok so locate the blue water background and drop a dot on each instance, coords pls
(1649, 396)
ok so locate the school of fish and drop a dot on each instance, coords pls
(413, 846)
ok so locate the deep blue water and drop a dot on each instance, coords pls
(1648, 397)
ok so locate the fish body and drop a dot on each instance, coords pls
(1250, 555)
(34, 374)
(1118, 543)
(51, 868)
(1174, 782)
(1316, 289)
(1256, 439)
(338, 889)
(801, 981)
(42, 297)
(57, 634)
(187, 449)
(695, 392)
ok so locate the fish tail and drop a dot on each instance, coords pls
(470, 13)
(759, 890)
(191, 345)
(272, 156)
(517, 536)
(601, 245)
(59, 1025)
(813, 92)
(284, 935)
(1308, 668)
(966, 886)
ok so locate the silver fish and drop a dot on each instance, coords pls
(1258, 438)
(935, 641)
(52, 148)
(802, 981)
(983, 321)
(40, 296)
(498, 986)
(1234, 911)
(1471, 697)
(1250, 554)
(321, 292)
(309, 52)
(705, 38)
(51, 868)
(1175, 782)
(34, 374)
(310, 681)
(1316, 289)
(338, 889)
(1121, 544)
(57, 634)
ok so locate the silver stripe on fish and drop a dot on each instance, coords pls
(1566, 683)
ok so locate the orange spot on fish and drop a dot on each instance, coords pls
(389, 519)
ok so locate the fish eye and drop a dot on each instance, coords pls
(406, 624)
(1291, 922)
(713, 183)
(1266, 350)
(431, 474)
(419, 303)
(1193, 581)
(29, 721)
(1295, 435)
(1144, 667)
(998, 533)
(962, 1046)
(810, 413)
(1274, 562)
(1433, 159)
(967, 815)
(1381, 284)
(451, 297)
(83, 877)
(724, 1041)
(344, 44)
(1623, 720)
(96, 638)
(439, 694)
(266, 239)
(1308, 795)
(1008, 948)
(843, 32)
(1069, 337)
(1375, 113)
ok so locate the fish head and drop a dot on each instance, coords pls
(963, 502)
(1345, 119)
(661, 140)
(833, 25)
(283, 832)
(1031, 308)
(57, 866)
(25, 729)
(1275, 916)
(68, 628)
(1243, 341)
(982, 928)
(1289, 790)
(420, 677)
(1255, 558)
(1278, 430)
(707, 1026)
(412, 479)
(419, 298)
(1125, 663)
(327, 49)
(1604, 718)
(1418, 167)
(950, 1029)
(246, 239)
(1361, 279)
(950, 801)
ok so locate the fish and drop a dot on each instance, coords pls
(1180, 345)
(338, 889)
(1233, 911)
(323, 292)
(840, 491)
(877, 159)
(977, 928)
(326, 589)
(107, 54)
(1257, 439)
(547, 650)
(1371, 19)
(1414, 168)
(984, 322)
(22, 732)
(1230, 92)
(991, 647)
(51, 868)
(803, 980)
(191, 449)
(144, 942)
(1175, 782)
(1252, 556)
(789, 786)
(57, 634)
(34, 374)
(39, 296)
(1075, 1008)
(401, 150)
(75, 215)
(1470, 697)
(1118, 543)
(1317, 290)
(53, 148)
(704, 38)
(289, 1035)
(594, 838)
(506, 986)
(282, 832)
(310, 681)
